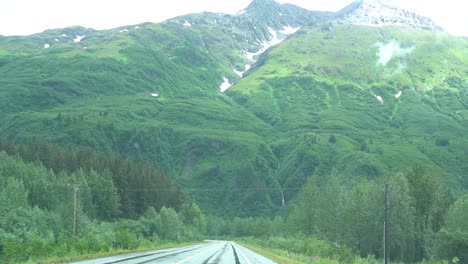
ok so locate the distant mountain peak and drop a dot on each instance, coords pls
(261, 3)
(382, 2)
(385, 13)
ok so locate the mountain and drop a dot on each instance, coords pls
(151, 91)
(339, 103)
(241, 109)
(384, 13)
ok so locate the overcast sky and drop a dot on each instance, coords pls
(24, 17)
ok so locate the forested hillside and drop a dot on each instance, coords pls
(324, 99)
(363, 101)
(330, 221)
(151, 92)
(275, 121)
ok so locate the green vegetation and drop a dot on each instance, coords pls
(38, 207)
(345, 224)
(329, 222)
(306, 108)
(295, 154)
(319, 92)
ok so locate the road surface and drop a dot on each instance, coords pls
(220, 252)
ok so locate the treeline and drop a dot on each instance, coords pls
(139, 184)
(425, 221)
(37, 215)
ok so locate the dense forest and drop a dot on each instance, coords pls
(328, 220)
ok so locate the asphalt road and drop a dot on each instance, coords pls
(222, 252)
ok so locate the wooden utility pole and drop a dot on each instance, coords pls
(386, 235)
(75, 190)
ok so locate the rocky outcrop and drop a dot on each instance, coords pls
(384, 13)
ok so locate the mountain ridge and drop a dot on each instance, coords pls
(306, 107)
(384, 13)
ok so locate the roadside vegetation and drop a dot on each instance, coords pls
(328, 223)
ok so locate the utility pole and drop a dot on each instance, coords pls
(75, 190)
(386, 235)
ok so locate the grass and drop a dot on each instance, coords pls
(279, 256)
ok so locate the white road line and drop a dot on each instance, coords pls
(191, 257)
(245, 257)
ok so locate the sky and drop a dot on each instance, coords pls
(25, 17)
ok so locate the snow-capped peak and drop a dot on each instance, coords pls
(385, 13)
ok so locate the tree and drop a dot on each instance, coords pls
(363, 218)
(422, 188)
(452, 240)
(402, 217)
(170, 224)
(329, 207)
(194, 218)
(104, 194)
(304, 217)
(12, 196)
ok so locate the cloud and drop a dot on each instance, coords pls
(391, 50)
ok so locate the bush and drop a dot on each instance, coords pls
(125, 240)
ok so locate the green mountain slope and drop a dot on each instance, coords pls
(363, 101)
(307, 107)
(82, 87)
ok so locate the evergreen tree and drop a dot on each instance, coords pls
(452, 240)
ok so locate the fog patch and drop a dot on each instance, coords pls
(391, 50)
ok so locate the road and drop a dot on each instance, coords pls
(220, 252)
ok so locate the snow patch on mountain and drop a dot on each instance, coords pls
(78, 38)
(251, 55)
(274, 40)
(241, 73)
(398, 94)
(288, 30)
(380, 98)
(391, 50)
(225, 85)
(238, 73)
